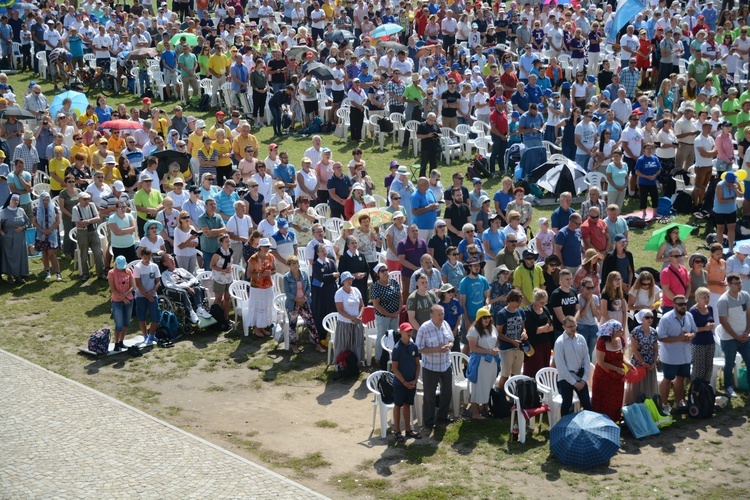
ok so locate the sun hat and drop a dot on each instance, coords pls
(398, 214)
(482, 312)
(283, 205)
(447, 287)
(743, 248)
(200, 124)
(502, 268)
(529, 253)
(120, 262)
(28, 134)
(346, 275)
(150, 223)
(357, 185)
(110, 159)
(146, 177)
(264, 242)
(402, 170)
(347, 225)
(378, 267)
(590, 255)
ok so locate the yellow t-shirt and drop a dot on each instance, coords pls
(116, 176)
(227, 131)
(195, 142)
(116, 145)
(223, 149)
(57, 167)
(81, 149)
(160, 126)
(240, 143)
(97, 159)
(218, 63)
(84, 118)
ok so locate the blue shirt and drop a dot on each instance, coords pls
(24, 199)
(453, 311)
(613, 127)
(240, 72)
(473, 289)
(675, 353)
(496, 240)
(513, 325)
(406, 356)
(427, 219)
(528, 121)
(534, 93)
(76, 46)
(284, 173)
(502, 198)
(729, 194)
(405, 190)
(520, 100)
(225, 202)
(104, 114)
(463, 245)
(454, 275)
(561, 217)
(647, 165)
(572, 245)
(169, 60)
(342, 185)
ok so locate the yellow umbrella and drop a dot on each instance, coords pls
(378, 216)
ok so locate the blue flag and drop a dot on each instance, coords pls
(625, 12)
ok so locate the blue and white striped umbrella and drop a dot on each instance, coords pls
(585, 439)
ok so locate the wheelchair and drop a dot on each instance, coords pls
(171, 300)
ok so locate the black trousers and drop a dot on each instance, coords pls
(566, 391)
(430, 380)
(647, 191)
(259, 104)
(356, 119)
(428, 156)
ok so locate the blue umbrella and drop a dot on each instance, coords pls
(386, 30)
(80, 102)
(585, 439)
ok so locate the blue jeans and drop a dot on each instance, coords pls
(731, 348)
(589, 333)
(207, 256)
(583, 161)
(147, 310)
(382, 325)
(122, 312)
(276, 115)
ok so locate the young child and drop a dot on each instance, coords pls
(545, 240)
(453, 310)
(499, 289)
(513, 135)
(405, 358)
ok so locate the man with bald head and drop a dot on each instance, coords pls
(424, 209)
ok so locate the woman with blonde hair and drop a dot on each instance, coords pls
(643, 344)
(703, 344)
(186, 242)
(613, 303)
(644, 293)
(483, 344)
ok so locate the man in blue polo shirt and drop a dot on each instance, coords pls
(520, 99)
(424, 209)
(225, 200)
(339, 188)
(533, 91)
(561, 215)
(569, 244)
(283, 245)
(493, 241)
(530, 125)
(286, 173)
(474, 290)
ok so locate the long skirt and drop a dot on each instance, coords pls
(540, 359)
(647, 387)
(259, 311)
(349, 337)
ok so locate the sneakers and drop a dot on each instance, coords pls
(665, 410)
(194, 317)
(730, 392)
(117, 348)
(59, 277)
(150, 339)
(48, 276)
(203, 313)
(681, 405)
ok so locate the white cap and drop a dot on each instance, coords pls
(200, 124)
(118, 185)
(110, 159)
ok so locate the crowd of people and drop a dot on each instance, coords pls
(453, 268)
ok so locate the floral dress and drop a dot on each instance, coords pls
(648, 386)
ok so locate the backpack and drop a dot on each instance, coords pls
(682, 203)
(664, 207)
(528, 395)
(636, 222)
(148, 93)
(204, 104)
(639, 421)
(99, 341)
(169, 327)
(347, 364)
(385, 386)
(701, 399)
(5, 147)
(217, 313)
(386, 125)
(500, 407)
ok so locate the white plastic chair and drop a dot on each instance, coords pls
(396, 275)
(158, 78)
(462, 132)
(226, 94)
(90, 60)
(238, 293)
(204, 278)
(238, 272)
(323, 211)
(282, 318)
(483, 145)
(77, 262)
(343, 121)
(41, 56)
(41, 178)
(398, 128)
(376, 131)
(380, 201)
(387, 344)
(302, 260)
(17, 58)
(522, 415)
(134, 72)
(377, 404)
(451, 149)
(329, 325)
(411, 128)
(371, 336)
(40, 188)
(546, 381)
(595, 179)
(460, 382)
(333, 226)
(278, 283)
(207, 86)
(482, 129)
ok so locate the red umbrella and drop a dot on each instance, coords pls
(635, 376)
(121, 125)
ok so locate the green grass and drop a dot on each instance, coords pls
(326, 424)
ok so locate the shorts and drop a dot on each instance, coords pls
(147, 310)
(724, 219)
(220, 288)
(672, 371)
(170, 77)
(511, 361)
(403, 396)
(338, 96)
(311, 107)
(121, 313)
(702, 176)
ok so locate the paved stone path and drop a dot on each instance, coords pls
(61, 439)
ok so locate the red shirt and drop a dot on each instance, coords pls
(500, 121)
(597, 233)
(509, 80)
(668, 277)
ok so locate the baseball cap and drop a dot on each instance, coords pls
(405, 327)
(146, 100)
(121, 262)
(118, 185)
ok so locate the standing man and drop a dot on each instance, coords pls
(147, 201)
(450, 102)
(595, 232)
(569, 243)
(424, 209)
(85, 218)
(676, 330)
(339, 188)
(357, 99)
(168, 64)
(217, 68)
(734, 328)
(674, 280)
(188, 64)
(632, 143)
(573, 364)
(457, 214)
(561, 215)
(511, 331)
(685, 130)
(428, 133)
(585, 139)
(705, 152)
(474, 291)
(531, 125)
(434, 341)
(212, 226)
(563, 301)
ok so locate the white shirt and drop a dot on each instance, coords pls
(622, 110)
(240, 227)
(178, 199)
(314, 155)
(404, 67)
(350, 302)
(683, 126)
(631, 42)
(633, 137)
(154, 175)
(265, 184)
(102, 41)
(707, 143)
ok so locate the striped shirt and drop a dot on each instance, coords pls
(29, 155)
(429, 336)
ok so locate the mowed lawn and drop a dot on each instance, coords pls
(46, 322)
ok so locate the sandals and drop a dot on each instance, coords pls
(412, 435)
(399, 437)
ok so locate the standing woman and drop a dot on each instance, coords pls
(259, 84)
(395, 233)
(483, 343)
(667, 150)
(186, 243)
(260, 268)
(123, 231)
(387, 302)
(614, 306)
(671, 240)
(324, 288)
(128, 175)
(121, 287)
(579, 91)
(703, 344)
(368, 240)
(644, 293)
(608, 384)
(297, 290)
(307, 182)
(539, 329)
(717, 274)
(354, 261)
(46, 217)
(698, 275)
(15, 256)
(643, 344)
(350, 334)
(568, 135)
(67, 199)
(665, 98)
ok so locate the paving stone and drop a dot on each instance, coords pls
(61, 439)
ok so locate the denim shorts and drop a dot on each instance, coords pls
(672, 371)
(145, 309)
(122, 312)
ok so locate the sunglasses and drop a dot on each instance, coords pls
(648, 317)
(680, 304)
(590, 288)
(182, 218)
